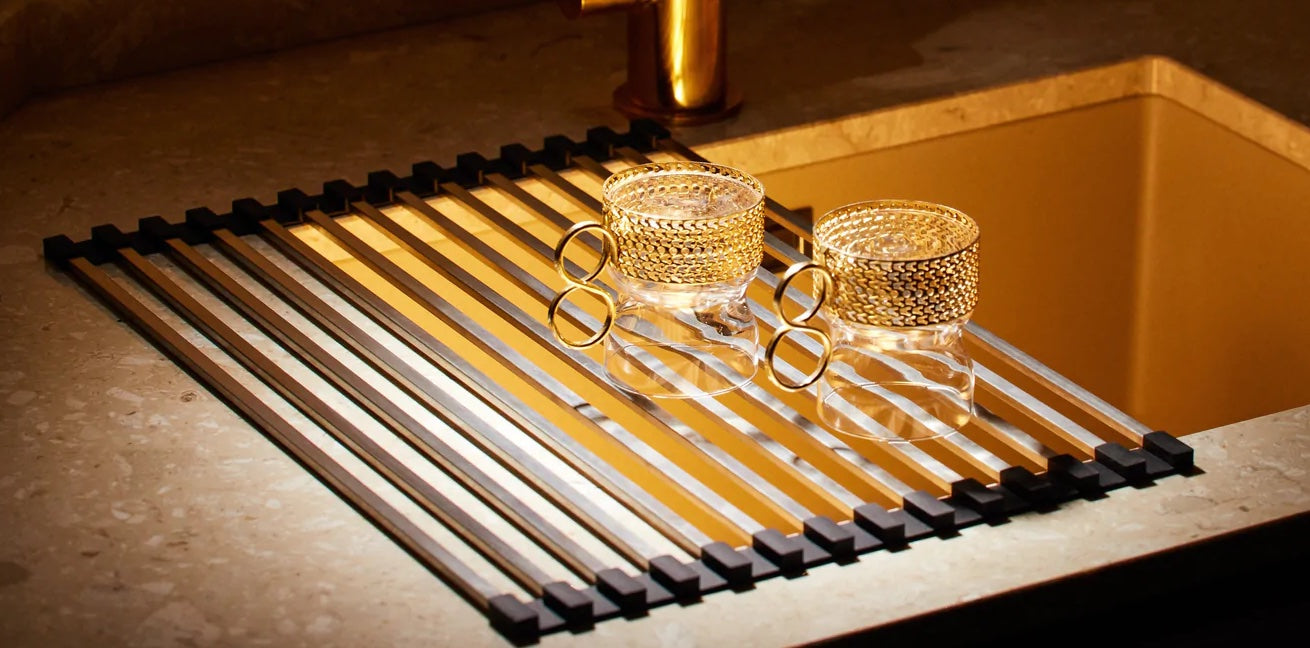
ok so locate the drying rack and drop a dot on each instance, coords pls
(391, 338)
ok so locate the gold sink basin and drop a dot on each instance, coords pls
(1146, 232)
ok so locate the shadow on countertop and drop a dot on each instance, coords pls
(1245, 588)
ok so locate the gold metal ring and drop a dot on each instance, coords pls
(770, 350)
(608, 251)
(799, 324)
(559, 301)
(780, 293)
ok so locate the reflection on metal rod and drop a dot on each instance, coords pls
(673, 526)
(441, 404)
(768, 494)
(1015, 445)
(857, 474)
(363, 394)
(404, 531)
(1055, 422)
(543, 294)
(938, 475)
(1118, 422)
(1130, 429)
(740, 493)
(491, 546)
(566, 188)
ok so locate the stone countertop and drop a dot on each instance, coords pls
(137, 509)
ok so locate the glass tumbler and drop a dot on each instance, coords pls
(896, 281)
(682, 240)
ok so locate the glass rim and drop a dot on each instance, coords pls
(621, 178)
(898, 205)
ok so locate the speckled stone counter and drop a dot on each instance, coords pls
(193, 530)
(136, 509)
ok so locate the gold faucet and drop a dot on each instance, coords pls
(677, 59)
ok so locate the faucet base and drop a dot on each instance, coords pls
(627, 103)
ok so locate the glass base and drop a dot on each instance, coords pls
(678, 370)
(895, 412)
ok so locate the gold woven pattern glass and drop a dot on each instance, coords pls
(899, 263)
(682, 241)
(896, 281)
(684, 222)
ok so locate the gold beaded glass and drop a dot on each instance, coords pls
(896, 281)
(682, 241)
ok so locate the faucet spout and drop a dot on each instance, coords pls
(677, 59)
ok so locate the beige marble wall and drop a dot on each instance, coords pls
(51, 44)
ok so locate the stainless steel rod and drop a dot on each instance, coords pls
(784, 419)
(847, 461)
(942, 473)
(1054, 421)
(1129, 429)
(739, 475)
(365, 395)
(372, 505)
(438, 402)
(651, 510)
(565, 188)
(544, 294)
(787, 253)
(534, 204)
(497, 551)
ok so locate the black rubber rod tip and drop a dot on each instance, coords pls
(883, 524)
(570, 603)
(833, 538)
(627, 592)
(1073, 472)
(1128, 464)
(1026, 484)
(729, 563)
(973, 494)
(779, 549)
(938, 514)
(1167, 447)
(679, 579)
(59, 250)
(512, 617)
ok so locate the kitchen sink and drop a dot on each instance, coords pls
(1149, 242)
